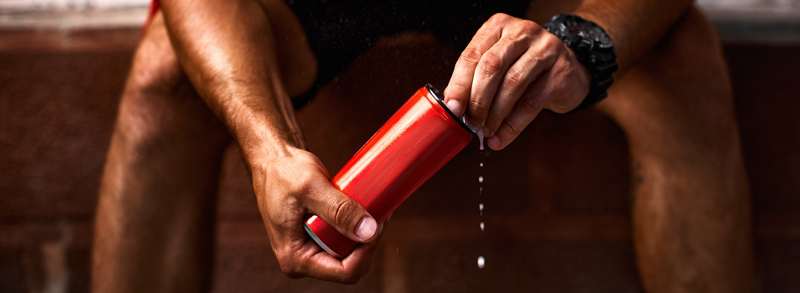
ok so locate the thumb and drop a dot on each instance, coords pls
(343, 213)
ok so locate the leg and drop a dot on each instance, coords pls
(154, 223)
(691, 207)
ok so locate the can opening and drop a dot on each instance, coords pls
(461, 120)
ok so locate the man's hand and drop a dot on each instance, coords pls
(297, 184)
(509, 72)
(229, 51)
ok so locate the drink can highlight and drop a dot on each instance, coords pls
(420, 138)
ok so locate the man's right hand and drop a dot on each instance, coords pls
(297, 184)
(229, 51)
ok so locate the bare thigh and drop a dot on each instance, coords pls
(154, 219)
(691, 208)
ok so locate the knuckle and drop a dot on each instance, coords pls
(478, 106)
(514, 78)
(530, 106)
(499, 17)
(471, 55)
(513, 127)
(343, 211)
(528, 26)
(491, 64)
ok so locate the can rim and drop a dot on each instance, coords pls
(462, 120)
(319, 241)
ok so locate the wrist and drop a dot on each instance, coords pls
(262, 122)
(592, 47)
(266, 144)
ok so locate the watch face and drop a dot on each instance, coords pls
(588, 32)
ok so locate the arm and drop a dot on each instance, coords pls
(228, 51)
(634, 26)
(512, 69)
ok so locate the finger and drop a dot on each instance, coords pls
(489, 73)
(361, 257)
(516, 81)
(341, 212)
(457, 93)
(319, 264)
(526, 109)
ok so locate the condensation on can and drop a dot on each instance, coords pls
(420, 138)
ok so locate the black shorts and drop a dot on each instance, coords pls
(339, 31)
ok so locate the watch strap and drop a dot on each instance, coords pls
(596, 54)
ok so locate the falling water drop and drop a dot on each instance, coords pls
(481, 226)
(481, 262)
(480, 137)
(480, 179)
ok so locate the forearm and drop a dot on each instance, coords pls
(228, 52)
(634, 26)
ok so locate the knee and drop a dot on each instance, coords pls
(690, 57)
(695, 47)
(155, 66)
(143, 112)
(680, 91)
(160, 110)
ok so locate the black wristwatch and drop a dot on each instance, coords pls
(592, 47)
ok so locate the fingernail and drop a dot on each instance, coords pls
(454, 106)
(366, 228)
(494, 143)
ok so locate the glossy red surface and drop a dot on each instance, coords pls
(407, 150)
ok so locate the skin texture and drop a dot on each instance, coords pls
(207, 72)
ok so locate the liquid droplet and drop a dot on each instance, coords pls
(480, 190)
(480, 137)
(481, 262)
(481, 226)
(480, 179)
(480, 207)
(481, 164)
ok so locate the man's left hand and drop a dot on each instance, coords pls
(511, 70)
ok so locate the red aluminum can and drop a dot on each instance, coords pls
(414, 144)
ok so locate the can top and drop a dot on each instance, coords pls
(461, 120)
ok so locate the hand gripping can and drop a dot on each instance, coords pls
(415, 143)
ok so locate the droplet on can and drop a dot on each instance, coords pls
(481, 164)
(481, 262)
(480, 179)
(481, 226)
(480, 207)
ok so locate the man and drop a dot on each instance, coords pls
(244, 60)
